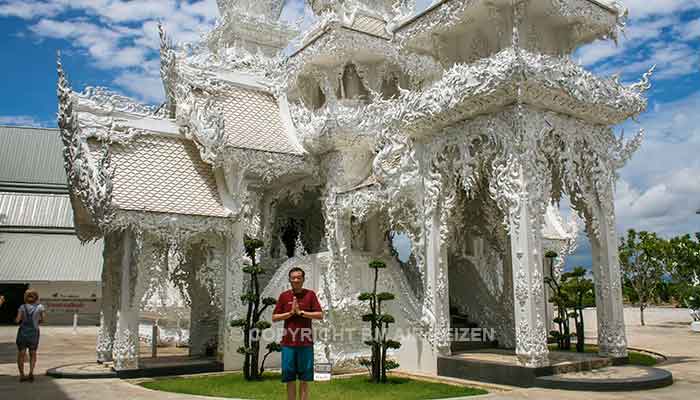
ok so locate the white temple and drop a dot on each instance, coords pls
(457, 127)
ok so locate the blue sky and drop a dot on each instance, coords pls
(114, 43)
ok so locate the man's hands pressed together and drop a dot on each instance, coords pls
(295, 306)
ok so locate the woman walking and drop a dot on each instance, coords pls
(29, 316)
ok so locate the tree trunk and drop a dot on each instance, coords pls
(641, 314)
(580, 339)
(567, 332)
(383, 363)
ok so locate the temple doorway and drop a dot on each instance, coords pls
(14, 298)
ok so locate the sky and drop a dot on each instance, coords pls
(115, 43)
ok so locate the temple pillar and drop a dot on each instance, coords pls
(111, 282)
(374, 238)
(526, 256)
(343, 237)
(125, 352)
(204, 318)
(268, 216)
(612, 340)
(230, 338)
(436, 277)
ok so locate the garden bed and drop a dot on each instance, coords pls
(635, 357)
(346, 388)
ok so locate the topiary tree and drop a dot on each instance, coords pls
(579, 294)
(378, 365)
(561, 300)
(252, 325)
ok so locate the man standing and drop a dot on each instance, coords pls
(297, 307)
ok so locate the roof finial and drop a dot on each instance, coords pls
(63, 89)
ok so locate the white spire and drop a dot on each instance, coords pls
(252, 25)
(269, 9)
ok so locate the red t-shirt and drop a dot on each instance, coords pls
(297, 329)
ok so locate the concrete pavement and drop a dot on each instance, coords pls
(667, 332)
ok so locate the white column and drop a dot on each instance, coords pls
(612, 340)
(111, 281)
(436, 281)
(343, 238)
(125, 352)
(375, 242)
(430, 199)
(529, 301)
(204, 318)
(230, 338)
(268, 215)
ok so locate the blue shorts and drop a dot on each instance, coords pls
(297, 363)
(27, 339)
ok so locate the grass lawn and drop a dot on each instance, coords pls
(270, 388)
(636, 358)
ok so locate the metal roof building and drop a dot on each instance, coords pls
(38, 245)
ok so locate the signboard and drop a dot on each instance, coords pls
(322, 371)
(71, 306)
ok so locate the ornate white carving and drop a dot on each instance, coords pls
(171, 227)
(205, 126)
(401, 133)
(466, 90)
(104, 100)
(89, 179)
(124, 352)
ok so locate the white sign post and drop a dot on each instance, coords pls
(322, 371)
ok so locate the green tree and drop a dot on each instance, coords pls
(253, 325)
(379, 328)
(643, 258)
(684, 260)
(579, 294)
(692, 301)
(560, 299)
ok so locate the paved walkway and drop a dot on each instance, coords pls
(667, 332)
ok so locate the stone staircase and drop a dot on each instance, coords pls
(460, 323)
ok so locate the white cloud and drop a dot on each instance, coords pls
(690, 30)
(659, 189)
(646, 8)
(117, 35)
(144, 85)
(656, 35)
(28, 10)
(22, 120)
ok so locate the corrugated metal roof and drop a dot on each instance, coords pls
(31, 155)
(35, 210)
(31, 257)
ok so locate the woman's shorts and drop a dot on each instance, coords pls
(30, 343)
(297, 363)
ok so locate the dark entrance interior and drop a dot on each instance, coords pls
(14, 297)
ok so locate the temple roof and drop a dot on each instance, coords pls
(164, 174)
(253, 121)
(364, 24)
(369, 25)
(584, 20)
(466, 91)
